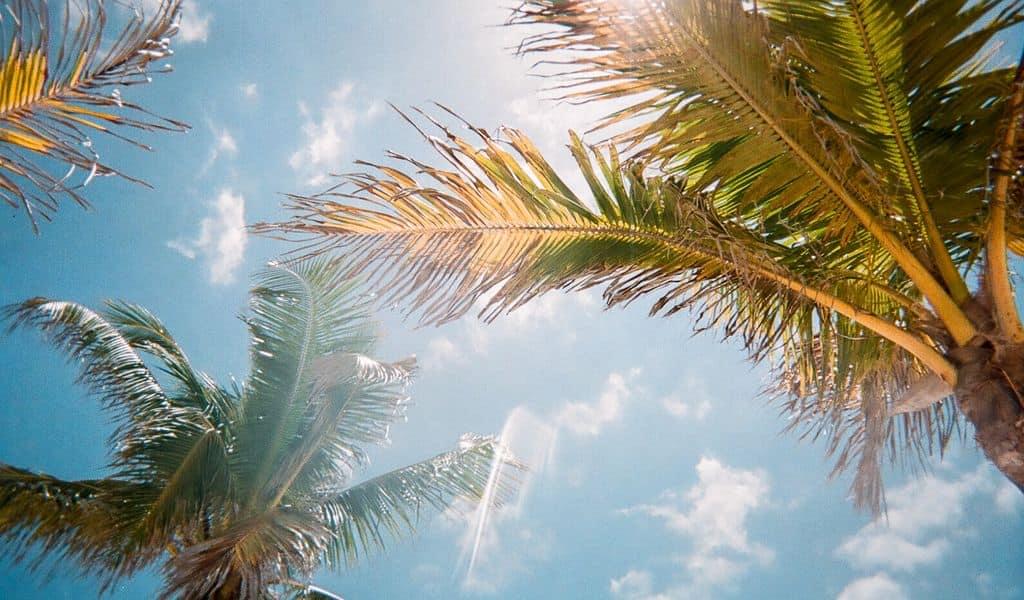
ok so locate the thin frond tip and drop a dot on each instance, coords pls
(64, 76)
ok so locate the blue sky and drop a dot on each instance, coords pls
(658, 472)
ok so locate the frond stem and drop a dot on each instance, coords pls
(307, 341)
(997, 269)
(940, 254)
(917, 347)
(960, 327)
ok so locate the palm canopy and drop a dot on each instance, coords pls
(812, 177)
(241, 489)
(61, 79)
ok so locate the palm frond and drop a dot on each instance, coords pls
(83, 521)
(361, 517)
(242, 488)
(144, 332)
(846, 390)
(854, 51)
(504, 223)
(110, 367)
(251, 555)
(355, 401)
(300, 313)
(56, 93)
(716, 101)
(178, 449)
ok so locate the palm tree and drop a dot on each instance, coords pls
(239, 491)
(819, 178)
(61, 77)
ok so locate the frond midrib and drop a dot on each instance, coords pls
(950, 275)
(301, 365)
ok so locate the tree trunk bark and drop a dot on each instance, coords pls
(990, 381)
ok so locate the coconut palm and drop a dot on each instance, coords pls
(62, 73)
(239, 492)
(833, 182)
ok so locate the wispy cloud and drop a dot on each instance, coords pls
(328, 133)
(589, 418)
(872, 588)
(224, 144)
(925, 518)
(691, 401)
(221, 239)
(712, 515)
(442, 352)
(1008, 499)
(194, 25)
(920, 518)
(551, 313)
(635, 585)
(249, 90)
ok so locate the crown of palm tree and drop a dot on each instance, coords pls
(61, 77)
(812, 177)
(240, 489)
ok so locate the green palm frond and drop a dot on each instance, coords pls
(300, 313)
(361, 517)
(193, 389)
(244, 489)
(505, 222)
(355, 401)
(110, 367)
(501, 223)
(175, 451)
(720, 94)
(856, 57)
(82, 521)
(61, 81)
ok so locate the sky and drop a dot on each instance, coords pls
(657, 469)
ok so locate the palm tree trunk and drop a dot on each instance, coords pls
(990, 381)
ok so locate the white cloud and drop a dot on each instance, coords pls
(873, 588)
(1008, 499)
(589, 418)
(635, 585)
(328, 136)
(920, 517)
(249, 90)
(691, 402)
(224, 144)
(713, 516)
(194, 25)
(442, 352)
(890, 550)
(550, 313)
(221, 240)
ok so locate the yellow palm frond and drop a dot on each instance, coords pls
(498, 222)
(55, 94)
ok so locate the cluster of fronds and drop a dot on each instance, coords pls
(248, 489)
(808, 176)
(64, 80)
